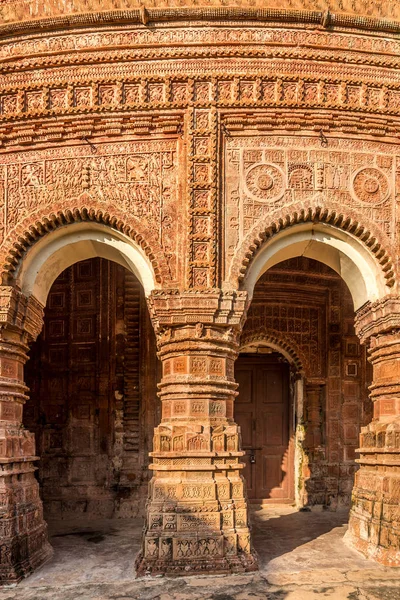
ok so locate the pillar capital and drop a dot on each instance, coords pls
(172, 308)
(376, 318)
(19, 315)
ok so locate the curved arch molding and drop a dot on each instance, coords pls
(354, 251)
(53, 243)
(278, 343)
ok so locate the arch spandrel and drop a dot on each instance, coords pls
(130, 186)
(355, 252)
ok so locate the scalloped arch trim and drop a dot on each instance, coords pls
(333, 217)
(45, 225)
(276, 342)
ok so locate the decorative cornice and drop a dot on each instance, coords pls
(382, 316)
(198, 307)
(26, 16)
(137, 105)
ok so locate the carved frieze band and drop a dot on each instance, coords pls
(221, 91)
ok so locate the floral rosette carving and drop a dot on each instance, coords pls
(265, 182)
(370, 185)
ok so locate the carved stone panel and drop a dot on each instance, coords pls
(267, 175)
(136, 180)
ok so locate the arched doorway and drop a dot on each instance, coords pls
(92, 385)
(307, 419)
(86, 405)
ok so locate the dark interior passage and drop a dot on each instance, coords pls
(86, 402)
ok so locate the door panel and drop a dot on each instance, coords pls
(88, 349)
(262, 410)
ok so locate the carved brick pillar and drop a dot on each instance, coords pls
(314, 413)
(23, 532)
(197, 511)
(374, 527)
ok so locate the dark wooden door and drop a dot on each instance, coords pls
(85, 388)
(264, 414)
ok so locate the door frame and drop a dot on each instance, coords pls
(294, 396)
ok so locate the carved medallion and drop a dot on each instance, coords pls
(370, 185)
(265, 182)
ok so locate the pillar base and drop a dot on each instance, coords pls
(23, 532)
(210, 565)
(389, 557)
(374, 524)
(23, 555)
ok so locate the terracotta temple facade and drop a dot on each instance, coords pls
(200, 298)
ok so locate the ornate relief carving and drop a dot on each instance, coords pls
(317, 177)
(197, 433)
(371, 185)
(265, 182)
(142, 94)
(181, 82)
(139, 178)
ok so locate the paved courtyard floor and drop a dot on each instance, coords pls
(302, 556)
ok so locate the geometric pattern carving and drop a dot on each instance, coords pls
(371, 186)
(265, 182)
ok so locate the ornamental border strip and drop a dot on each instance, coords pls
(144, 103)
(322, 18)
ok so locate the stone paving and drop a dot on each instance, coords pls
(302, 557)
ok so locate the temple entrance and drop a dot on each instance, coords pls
(86, 401)
(263, 411)
(303, 387)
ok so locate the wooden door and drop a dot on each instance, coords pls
(84, 380)
(264, 414)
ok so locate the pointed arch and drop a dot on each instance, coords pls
(277, 342)
(342, 242)
(37, 252)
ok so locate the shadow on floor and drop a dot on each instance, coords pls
(302, 557)
(279, 531)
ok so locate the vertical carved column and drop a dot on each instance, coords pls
(314, 413)
(374, 526)
(312, 489)
(23, 535)
(197, 512)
